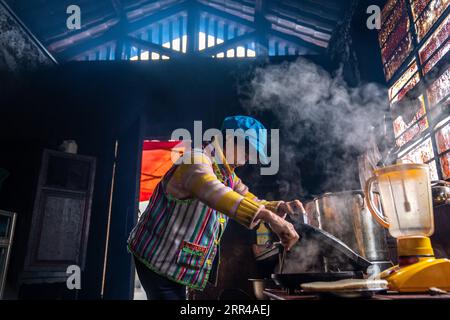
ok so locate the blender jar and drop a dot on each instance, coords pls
(405, 193)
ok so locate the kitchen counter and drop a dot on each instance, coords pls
(278, 294)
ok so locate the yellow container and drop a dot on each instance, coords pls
(262, 235)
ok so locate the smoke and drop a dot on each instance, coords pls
(303, 257)
(321, 119)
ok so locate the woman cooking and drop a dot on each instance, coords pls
(175, 241)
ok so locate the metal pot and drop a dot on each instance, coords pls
(259, 285)
(441, 192)
(344, 215)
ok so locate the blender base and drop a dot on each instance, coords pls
(378, 266)
(420, 276)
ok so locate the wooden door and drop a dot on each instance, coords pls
(60, 223)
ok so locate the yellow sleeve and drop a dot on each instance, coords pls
(241, 188)
(270, 205)
(200, 180)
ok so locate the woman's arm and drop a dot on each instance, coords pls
(199, 180)
(282, 208)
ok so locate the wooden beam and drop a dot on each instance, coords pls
(332, 5)
(244, 8)
(31, 36)
(313, 10)
(193, 20)
(153, 47)
(295, 40)
(118, 54)
(160, 15)
(299, 18)
(118, 8)
(122, 28)
(262, 28)
(312, 33)
(225, 15)
(89, 44)
(229, 44)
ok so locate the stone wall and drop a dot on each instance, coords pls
(19, 50)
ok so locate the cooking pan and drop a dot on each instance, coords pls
(329, 246)
(332, 246)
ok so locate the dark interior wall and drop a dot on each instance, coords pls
(95, 104)
(365, 43)
(368, 52)
(40, 114)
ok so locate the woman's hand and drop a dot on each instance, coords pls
(284, 230)
(293, 208)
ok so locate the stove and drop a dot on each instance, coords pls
(281, 294)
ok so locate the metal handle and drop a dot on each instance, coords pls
(442, 183)
(360, 193)
(270, 244)
(368, 195)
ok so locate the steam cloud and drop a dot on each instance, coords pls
(312, 105)
(321, 119)
(304, 257)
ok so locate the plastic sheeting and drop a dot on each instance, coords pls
(156, 161)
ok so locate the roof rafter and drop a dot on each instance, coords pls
(153, 47)
(262, 28)
(300, 30)
(113, 33)
(165, 13)
(306, 20)
(305, 8)
(118, 8)
(307, 24)
(295, 40)
(229, 44)
(225, 15)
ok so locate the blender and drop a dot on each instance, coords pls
(405, 193)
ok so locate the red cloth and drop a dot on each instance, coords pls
(156, 161)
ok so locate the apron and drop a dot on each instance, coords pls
(179, 239)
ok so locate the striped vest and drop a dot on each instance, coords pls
(179, 239)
